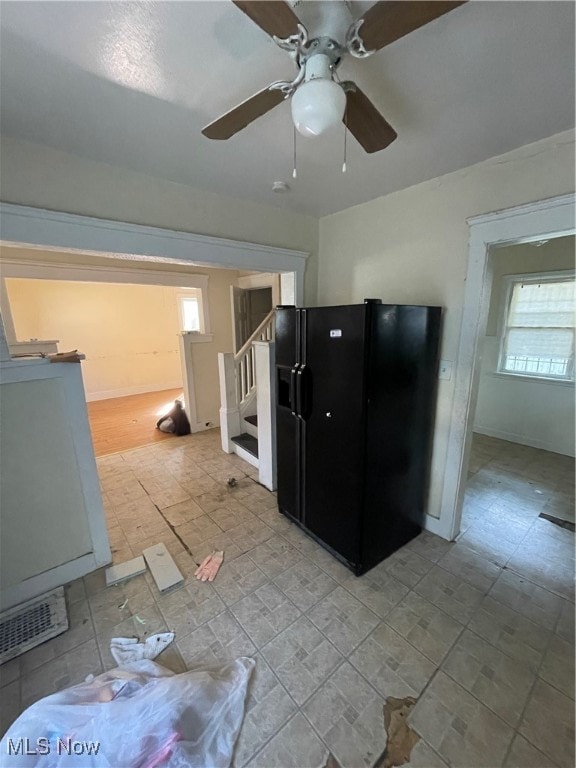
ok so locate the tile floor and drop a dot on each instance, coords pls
(481, 630)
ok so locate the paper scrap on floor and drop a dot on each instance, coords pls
(127, 649)
(401, 738)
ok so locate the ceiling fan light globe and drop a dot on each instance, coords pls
(317, 105)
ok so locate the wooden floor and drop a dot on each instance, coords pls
(129, 422)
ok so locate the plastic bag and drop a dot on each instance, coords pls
(138, 716)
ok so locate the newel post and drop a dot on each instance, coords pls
(229, 413)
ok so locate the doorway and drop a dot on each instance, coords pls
(527, 223)
(252, 300)
(518, 506)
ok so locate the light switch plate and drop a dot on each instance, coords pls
(445, 369)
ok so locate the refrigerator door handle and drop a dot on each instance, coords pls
(302, 391)
(294, 390)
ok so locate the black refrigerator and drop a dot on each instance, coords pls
(356, 391)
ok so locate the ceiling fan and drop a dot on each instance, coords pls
(319, 99)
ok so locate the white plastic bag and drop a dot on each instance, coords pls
(138, 716)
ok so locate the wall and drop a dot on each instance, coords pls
(524, 411)
(47, 178)
(129, 333)
(156, 365)
(412, 247)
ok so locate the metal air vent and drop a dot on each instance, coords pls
(26, 626)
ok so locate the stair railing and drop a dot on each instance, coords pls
(245, 360)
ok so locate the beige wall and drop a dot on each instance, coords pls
(135, 356)
(530, 412)
(47, 178)
(412, 246)
(129, 333)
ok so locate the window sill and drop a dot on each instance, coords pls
(197, 338)
(531, 379)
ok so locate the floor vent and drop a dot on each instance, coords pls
(558, 521)
(26, 626)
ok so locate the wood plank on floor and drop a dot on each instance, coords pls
(121, 423)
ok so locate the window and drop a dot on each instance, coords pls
(191, 315)
(538, 329)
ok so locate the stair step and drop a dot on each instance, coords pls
(252, 420)
(247, 442)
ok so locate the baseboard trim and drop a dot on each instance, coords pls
(513, 437)
(142, 389)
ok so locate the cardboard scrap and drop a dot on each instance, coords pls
(117, 573)
(163, 568)
(401, 738)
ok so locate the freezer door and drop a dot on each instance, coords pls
(288, 429)
(330, 389)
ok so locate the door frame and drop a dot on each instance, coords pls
(58, 231)
(544, 219)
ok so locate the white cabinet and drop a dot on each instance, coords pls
(52, 523)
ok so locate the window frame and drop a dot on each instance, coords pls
(509, 282)
(191, 293)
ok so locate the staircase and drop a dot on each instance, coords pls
(247, 398)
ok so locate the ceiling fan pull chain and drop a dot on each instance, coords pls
(345, 137)
(294, 163)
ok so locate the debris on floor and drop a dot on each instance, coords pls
(401, 738)
(123, 571)
(232, 482)
(66, 357)
(163, 568)
(128, 649)
(140, 715)
(331, 762)
(209, 567)
(174, 421)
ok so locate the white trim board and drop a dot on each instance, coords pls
(86, 273)
(523, 224)
(23, 225)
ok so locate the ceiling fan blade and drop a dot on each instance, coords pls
(273, 16)
(365, 123)
(389, 20)
(242, 115)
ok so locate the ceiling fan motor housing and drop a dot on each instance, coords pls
(318, 66)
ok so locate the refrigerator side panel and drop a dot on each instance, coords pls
(402, 375)
(333, 409)
(288, 430)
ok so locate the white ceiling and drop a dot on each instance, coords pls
(133, 83)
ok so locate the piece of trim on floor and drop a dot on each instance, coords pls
(163, 568)
(558, 521)
(123, 571)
